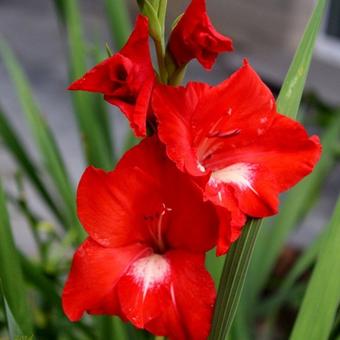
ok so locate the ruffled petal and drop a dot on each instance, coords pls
(259, 172)
(255, 175)
(94, 273)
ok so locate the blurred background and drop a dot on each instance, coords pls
(264, 31)
(47, 136)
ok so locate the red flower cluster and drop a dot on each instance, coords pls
(217, 156)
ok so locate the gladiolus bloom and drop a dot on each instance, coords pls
(232, 134)
(195, 37)
(144, 259)
(126, 79)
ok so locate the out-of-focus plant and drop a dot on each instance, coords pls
(30, 287)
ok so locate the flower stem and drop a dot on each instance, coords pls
(160, 51)
(232, 279)
(160, 43)
(162, 13)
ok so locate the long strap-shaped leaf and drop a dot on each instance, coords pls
(43, 137)
(98, 152)
(119, 21)
(11, 279)
(236, 266)
(322, 298)
(19, 152)
(42, 134)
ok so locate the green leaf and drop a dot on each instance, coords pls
(119, 21)
(322, 298)
(96, 148)
(302, 264)
(290, 95)
(14, 329)
(21, 155)
(11, 279)
(233, 275)
(236, 266)
(43, 137)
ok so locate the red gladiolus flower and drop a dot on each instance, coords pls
(126, 79)
(233, 134)
(195, 37)
(144, 259)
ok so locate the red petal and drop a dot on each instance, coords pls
(169, 295)
(193, 294)
(144, 290)
(232, 113)
(195, 37)
(174, 108)
(276, 163)
(110, 205)
(94, 273)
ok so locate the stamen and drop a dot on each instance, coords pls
(224, 134)
(156, 224)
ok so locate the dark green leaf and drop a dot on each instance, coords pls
(11, 279)
(322, 298)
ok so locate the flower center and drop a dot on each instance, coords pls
(213, 138)
(240, 174)
(156, 224)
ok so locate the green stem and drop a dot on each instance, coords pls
(234, 272)
(162, 13)
(160, 51)
(160, 43)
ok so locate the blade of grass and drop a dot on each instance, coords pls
(119, 21)
(320, 303)
(304, 262)
(11, 278)
(236, 266)
(21, 155)
(98, 152)
(14, 329)
(43, 137)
